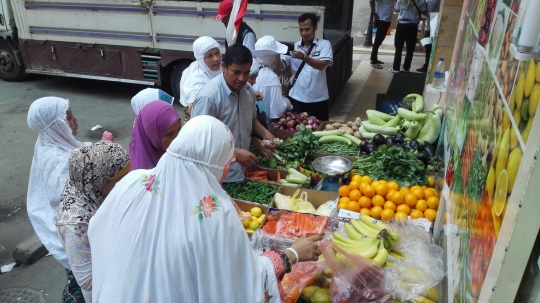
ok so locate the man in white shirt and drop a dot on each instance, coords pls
(246, 36)
(308, 62)
(382, 16)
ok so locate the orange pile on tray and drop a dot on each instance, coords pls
(385, 200)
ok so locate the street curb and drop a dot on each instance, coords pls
(29, 251)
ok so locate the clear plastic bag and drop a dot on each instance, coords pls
(302, 275)
(356, 279)
(261, 241)
(242, 214)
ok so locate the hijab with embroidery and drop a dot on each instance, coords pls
(49, 171)
(159, 245)
(148, 95)
(151, 125)
(198, 73)
(90, 168)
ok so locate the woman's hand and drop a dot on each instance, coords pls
(258, 95)
(307, 249)
(261, 148)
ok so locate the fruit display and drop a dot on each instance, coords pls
(292, 121)
(386, 200)
(319, 292)
(257, 217)
(524, 99)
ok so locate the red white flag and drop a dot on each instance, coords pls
(238, 11)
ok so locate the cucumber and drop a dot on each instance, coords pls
(353, 139)
(332, 139)
(365, 134)
(297, 173)
(384, 116)
(409, 115)
(323, 133)
(383, 130)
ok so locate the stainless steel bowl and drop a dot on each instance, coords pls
(332, 165)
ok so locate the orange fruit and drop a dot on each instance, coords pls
(424, 187)
(390, 205)
(403, 208)
(362, 185)
(365, 211)
(376, 212)
(355, 195)
(398, 197)
(387, 214)
(430, 214)
(431, 181)
(430, 192)
(366, 179)
(405, 190)
(342, 205)
(415, 214)
(392, 185)
(344, 200)
(381, 189)
(418, 192)
(401, 216)
(383, 181)
(344, 191)
(389, 194)
(433, 202)
(410, 199)
(353, 206)
(416, 186)
(421, 205)
(354, 185)
(377, 200)
(369, 191)
(375, 183)
(365, 202)
(356, 178)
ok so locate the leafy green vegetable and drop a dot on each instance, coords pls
(393, 164)
(339, 148)
(477, 177)
(301, 145)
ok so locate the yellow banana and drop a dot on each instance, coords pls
(373, 223)
(503, 153)
(364, 229)
(519, 90)
(352, 233)
(506, 119)
(420, 299)
(432, 294)
(393, 254)
(360, 245)
(382, 255)
(535, 98)
(529, 79)
(537, 72)
(527, 131)
(398, 252)
(342, 238)
(512, 102)
(367, 252)
(512, 167)
(388, 263)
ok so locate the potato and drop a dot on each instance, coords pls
(349, 124)
(357, 135)
(357, 123)
(355, 128)
(336, 125)
(348, 130)
(329, 127)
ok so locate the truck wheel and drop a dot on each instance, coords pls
(9, 69)
(176, 75)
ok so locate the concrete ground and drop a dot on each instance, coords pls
(108, 104)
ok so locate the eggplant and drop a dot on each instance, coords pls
(424, 157)
(389, 140)
(371, 147)
(399, 138)
(429, 150)
(408, 146)
(363, 145)
(378, 140)
(364, 154)
(416, 145)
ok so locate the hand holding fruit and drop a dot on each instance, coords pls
(307, 249)
(245, 157)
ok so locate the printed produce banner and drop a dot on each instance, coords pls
(490, 106)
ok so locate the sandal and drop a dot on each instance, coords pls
(377, 66)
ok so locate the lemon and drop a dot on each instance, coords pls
(501, 190)
(254, 218)
(260, 220)
(246, 222)
(256, 211)
(250, 231)
(249, 213)
(253, 225)
(262, 216)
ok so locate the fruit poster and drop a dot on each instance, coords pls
(490, 105)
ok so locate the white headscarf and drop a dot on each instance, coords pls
(49, 171)
(198, 73)
(148, 95)
(172, 234)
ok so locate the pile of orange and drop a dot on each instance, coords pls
(386, 200)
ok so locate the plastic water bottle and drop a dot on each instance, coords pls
(438, 77)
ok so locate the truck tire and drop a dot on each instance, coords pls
(10, 70)
(176, 75)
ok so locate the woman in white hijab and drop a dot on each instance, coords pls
(53, 119)
(153, 241)
(205, 68)
(148, 95)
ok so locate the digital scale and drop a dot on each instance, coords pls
(333, 168)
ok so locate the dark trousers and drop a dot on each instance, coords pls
(428, 50)
(316, 109)
(369, 32)
(382, 28)
(405, 33)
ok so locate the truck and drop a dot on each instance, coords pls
(149, 42)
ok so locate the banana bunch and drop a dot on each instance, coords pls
(410, 278)
(368, 238)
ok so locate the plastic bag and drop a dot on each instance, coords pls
(242, 214)
(302, 275)
(283, 202)
(261, 241)
(302, 205)
(356, 279)
(295, 225)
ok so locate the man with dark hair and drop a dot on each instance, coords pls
(246, 36)
(309, 91)
(230, 99)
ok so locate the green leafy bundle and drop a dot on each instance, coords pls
(301, 145)
(393, 164)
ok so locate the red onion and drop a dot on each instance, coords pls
(309, 126)
(303, 115)
(288, 118)
(293, 116)
(310, 121)
(304, 121)
(282, 121)
(290, 124)
(298, 127)
(315, 125)
(292, 129)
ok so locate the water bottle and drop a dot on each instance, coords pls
(438, 77)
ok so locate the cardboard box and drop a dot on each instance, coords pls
(316, 197)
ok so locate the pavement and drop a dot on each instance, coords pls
(108, 104)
